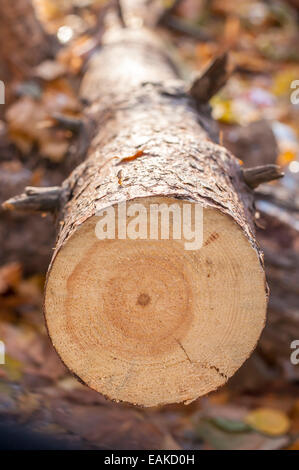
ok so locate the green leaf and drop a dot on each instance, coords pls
(230, 425)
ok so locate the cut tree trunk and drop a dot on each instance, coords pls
(141, 320)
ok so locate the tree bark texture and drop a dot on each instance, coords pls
(139, 107)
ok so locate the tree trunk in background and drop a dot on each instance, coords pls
(278, 236)
(279, 240)
(23, 42)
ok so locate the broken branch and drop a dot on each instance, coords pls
(213, 78)
(69, 123)
(179, 25)
(168, 11)
(120, 13)
(261, 174)
(184, 27)
(36, 200)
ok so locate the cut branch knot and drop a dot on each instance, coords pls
(211, 80)
(69, 123)
(37, 200)
(257, 175)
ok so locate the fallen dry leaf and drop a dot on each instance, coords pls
(27, 117)
(72, 57)
(55, 151)
(268, 421)
(219, 439)
(50, 70)
(10, 276)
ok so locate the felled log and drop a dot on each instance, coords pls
(142, 319)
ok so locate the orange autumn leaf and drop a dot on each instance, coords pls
(286, 157)
(138, 154)
(10, 276)
(73, 55)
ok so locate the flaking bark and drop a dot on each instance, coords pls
(139, 103)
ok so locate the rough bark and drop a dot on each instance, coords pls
(162, 121)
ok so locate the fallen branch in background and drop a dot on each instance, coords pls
(168, 19)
